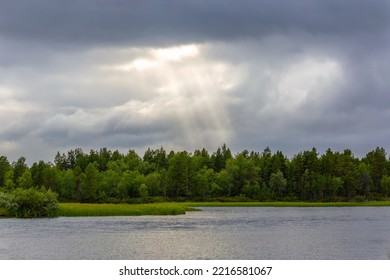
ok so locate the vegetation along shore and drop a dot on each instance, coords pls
(174, 208)
(111, 179)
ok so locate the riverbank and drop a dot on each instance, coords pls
(179, 208)
(79, 209)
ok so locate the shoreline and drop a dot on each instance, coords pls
(180, 208)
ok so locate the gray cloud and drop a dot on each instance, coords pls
(285, 74)
(151, 22)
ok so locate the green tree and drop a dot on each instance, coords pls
(328, 163)
(179, 175)
(66, 187)
(9, 183)
(109, 179)
(121, 189)
(385, 185)
(143, 192)
(153, 181)
(25, 181)
(104, 157)
(90, 186)
(264, 193)
(311, 161)
(215, 190)
(156, 158)
(19, 167)
(132, 160)
(365, 179)
(225, 182)
(279, 162)
(377, 163)
(348, 171)
(129, 184)
(202, 183)
(331, 186)
(251, 191)
(297, 170)
(79, 177)
(235, 177)
(277, 184)
(244, 171)
(5, 166)
(37, 170)
(60, 160)
(82, 159)
(201, 159)
(220, 157)
(265, 164)
(336, 184)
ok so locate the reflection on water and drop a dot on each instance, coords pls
(214, 233)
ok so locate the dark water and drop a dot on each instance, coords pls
(213, 233)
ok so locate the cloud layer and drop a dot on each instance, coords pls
(190, 74)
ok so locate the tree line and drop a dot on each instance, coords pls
(110, 176)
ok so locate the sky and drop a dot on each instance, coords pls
(188, 74)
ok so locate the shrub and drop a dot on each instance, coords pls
(6, 202)
(30, 203)
(3, 199)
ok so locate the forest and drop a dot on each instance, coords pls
(114, 177)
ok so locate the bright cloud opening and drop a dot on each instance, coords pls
(139, 64)
(148, 59)
(176, 53)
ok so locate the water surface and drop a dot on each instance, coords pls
(213, 233)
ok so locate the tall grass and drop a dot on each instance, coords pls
(78, 209)
(178, 208)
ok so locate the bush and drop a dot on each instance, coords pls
(3, 199)
(6, 202)
(30, 203)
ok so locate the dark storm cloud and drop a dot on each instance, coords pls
(281, 73)
(171, 21)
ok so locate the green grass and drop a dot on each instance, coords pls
(177, 208)
(78, 209)
(287, 204)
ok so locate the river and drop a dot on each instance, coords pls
(213, 233)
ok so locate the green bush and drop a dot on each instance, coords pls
(6, 203)
(30, 203)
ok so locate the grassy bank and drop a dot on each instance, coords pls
(77, 209)
(288, 204)
(177, 208)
